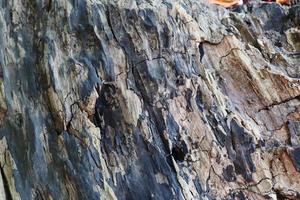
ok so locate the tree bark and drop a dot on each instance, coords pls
(147, 99)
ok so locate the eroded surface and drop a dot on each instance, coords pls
(148, 100)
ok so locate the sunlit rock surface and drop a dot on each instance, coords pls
(148, 99)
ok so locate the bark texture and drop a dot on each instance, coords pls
(148, 99)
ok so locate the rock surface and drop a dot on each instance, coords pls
(148, 99)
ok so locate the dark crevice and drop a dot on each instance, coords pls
(6, 185)
(201, 50)
(179, 151)
(279, 196)
(107, 12)
(268, 107)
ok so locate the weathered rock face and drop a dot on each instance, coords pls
(147, 99)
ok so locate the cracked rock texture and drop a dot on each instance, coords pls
(148, 99)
